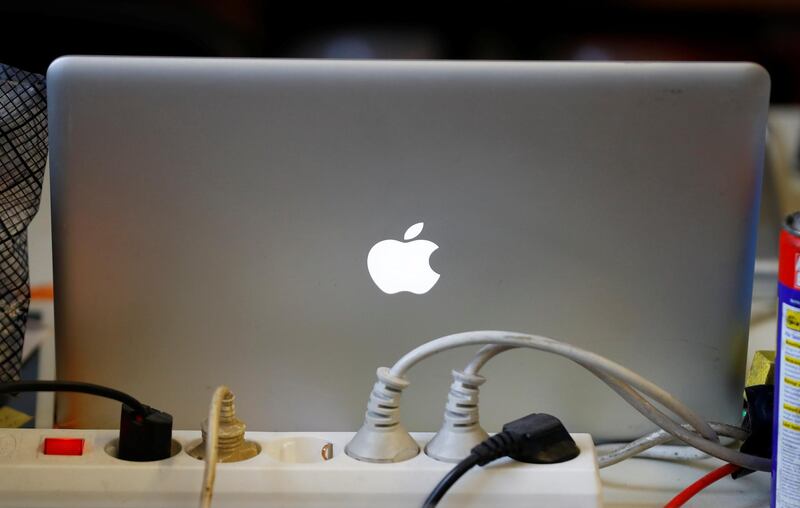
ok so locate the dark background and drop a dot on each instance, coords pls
(34, 32)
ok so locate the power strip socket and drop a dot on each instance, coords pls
(293, 469)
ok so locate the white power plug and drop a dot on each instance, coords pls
(382, 438)
(461, 430)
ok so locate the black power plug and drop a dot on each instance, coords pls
(758, 422)
(536, 439)
(540, 439)
(145, 434)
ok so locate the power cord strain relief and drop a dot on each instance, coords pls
(496, 446)
(383, 407)
(462, 400)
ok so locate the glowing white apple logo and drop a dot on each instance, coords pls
(403, 266)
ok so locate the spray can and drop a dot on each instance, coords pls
(786, 420)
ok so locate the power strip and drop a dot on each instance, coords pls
(290, 471)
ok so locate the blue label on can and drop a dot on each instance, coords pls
(786, 421)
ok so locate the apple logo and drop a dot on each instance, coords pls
(403, 266)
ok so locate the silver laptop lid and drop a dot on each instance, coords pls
(214, 219)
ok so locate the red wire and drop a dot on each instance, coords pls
(690, 491)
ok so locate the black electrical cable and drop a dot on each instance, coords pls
(450, 478)
(14, 387)
(536, 439)
(145, 433)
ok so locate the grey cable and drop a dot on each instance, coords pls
(676, 452)
(712, 448)
(657, 438)
(586, 358)
(632, 397)
(622, 380)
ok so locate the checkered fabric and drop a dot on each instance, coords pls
(23, 155)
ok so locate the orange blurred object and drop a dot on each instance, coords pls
(42, 292)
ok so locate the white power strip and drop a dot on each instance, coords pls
(290, 471)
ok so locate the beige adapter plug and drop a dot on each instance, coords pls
(231, 444)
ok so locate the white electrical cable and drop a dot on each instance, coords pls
(596, 363)
(622, 389)
(212, 451)
(645, 408)
(483, 355)
(649, 446)
(682, 453)
(712, 448)
(622, 380)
